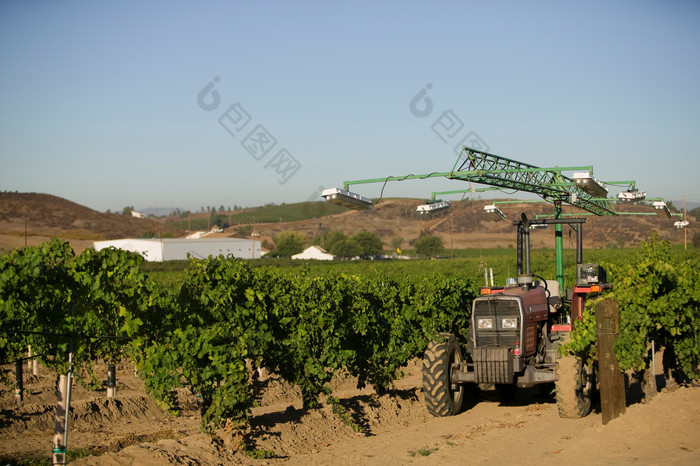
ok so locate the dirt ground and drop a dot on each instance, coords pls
(394, 428)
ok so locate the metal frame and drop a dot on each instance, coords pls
(484, 168)
(498, 172)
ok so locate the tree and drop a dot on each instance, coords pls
(430, 246)
(219, 220)
(696, 240)
(127, 210)
(396, 242)
(370, 243)
(244, 230)
(695, 213)
(346, 247)
(329, 238)
(288, 243)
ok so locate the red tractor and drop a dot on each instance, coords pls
(515, 335)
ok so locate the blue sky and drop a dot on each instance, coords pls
(100, 101)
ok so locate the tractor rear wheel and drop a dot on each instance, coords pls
(442, 397)
(574, 386)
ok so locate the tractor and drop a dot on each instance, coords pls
(515, 335)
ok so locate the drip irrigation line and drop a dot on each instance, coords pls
(66, 335)
(2, 363)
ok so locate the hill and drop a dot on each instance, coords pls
(463, 226)
(43, 216)
(467, 226)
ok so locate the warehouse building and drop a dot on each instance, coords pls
(168, 249)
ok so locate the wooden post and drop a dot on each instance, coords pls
(111, 381)
(612, 381)
(59, 437)
(32, 362)
(19, 383)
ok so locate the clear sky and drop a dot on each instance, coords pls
(106, 103)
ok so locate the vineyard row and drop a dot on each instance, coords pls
(229, 318)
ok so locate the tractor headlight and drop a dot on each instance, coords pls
(484, 323)
(511, 323)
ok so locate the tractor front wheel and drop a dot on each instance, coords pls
(574, 387)
(442, 397)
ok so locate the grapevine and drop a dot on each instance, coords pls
(659, 301)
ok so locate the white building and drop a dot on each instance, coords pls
(314, 252)
(167, 249)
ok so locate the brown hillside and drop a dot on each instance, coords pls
(51, 216)
(466, 225)
(463, 226)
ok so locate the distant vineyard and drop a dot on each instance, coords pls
(469, 262)
(265, 214)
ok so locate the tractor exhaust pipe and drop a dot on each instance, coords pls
(524, 279)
